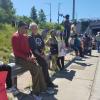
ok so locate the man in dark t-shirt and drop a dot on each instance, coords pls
(37, 47)
(67, 28)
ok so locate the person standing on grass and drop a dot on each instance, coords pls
(25, 59)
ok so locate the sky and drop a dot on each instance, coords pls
(83, 9)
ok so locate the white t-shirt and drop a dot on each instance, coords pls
(71, 41)
(98, 37)
(61, 48)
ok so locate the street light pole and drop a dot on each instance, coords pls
(73, 12)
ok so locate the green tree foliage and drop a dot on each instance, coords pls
(7, 5)
(34, 14)
(46, 25)
(57, 26)
(50, 26)
(3, 15)
(24, 18)
(7, 12)
(42, 16)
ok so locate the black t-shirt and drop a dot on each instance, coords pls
(53, 46)
(67, 25)
(36, 44)
(39, 42)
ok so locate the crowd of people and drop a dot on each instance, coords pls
(29, 52)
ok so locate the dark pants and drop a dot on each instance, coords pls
(60, 62)
(66, 36)
(38, 82)
(43, 63)
(79, 50)
(98, 46)
(8, 79)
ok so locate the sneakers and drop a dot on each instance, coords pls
(52, 86)
(13, 90)
(78, 58)
(9, 90)
(50, 91)
(37, 97)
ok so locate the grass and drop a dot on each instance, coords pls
(6, 32)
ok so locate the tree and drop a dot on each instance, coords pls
(42, 16)
(7, 5)
(8, 11)
(47, 25)
(34, 14)
(3, 15)
(24, 19)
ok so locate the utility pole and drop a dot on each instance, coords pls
(58, 11)
(73, 12)
(50, 19)
(50, 13)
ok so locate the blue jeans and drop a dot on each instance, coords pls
(98, 46)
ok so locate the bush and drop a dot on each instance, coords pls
(6, 31)
(50, 26)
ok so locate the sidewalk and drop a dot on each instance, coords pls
(79, 81)
(23, 86)
(95, 91)
(75, 83)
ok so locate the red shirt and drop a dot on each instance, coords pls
(20, 45)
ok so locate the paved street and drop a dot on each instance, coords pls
(79, 81)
